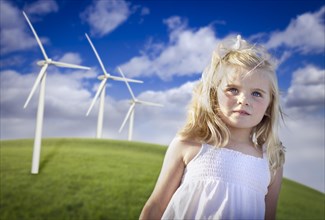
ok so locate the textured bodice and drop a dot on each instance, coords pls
(229, 166)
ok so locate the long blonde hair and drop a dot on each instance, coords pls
(203, 123)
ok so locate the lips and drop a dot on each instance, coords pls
(241, 112)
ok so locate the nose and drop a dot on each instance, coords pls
(243, 100)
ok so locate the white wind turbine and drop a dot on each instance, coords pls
(40, 110)
(101, 91)
(130, 113)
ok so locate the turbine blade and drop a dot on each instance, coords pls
(68, 65)
(127, 84)
(127, 117)
(37, 38)
(95, 51)
(150, 103)
(100, 88)
(117, 78)
(37, 81)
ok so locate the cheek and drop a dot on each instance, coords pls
(262, 107)
(224, 100)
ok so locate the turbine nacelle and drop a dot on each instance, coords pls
(102, 77)
(43, 62)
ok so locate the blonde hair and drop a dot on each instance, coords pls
(203, 122)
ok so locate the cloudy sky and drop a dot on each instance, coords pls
(166, 44)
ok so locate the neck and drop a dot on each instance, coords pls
(240, 136)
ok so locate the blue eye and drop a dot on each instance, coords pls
(257, 94)
(233, 90)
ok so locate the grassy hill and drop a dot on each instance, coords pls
(102, 179)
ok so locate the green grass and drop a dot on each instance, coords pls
(102, 179)
(300, 202)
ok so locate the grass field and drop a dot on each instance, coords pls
(87, 179)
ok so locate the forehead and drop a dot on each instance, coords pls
(258, 78)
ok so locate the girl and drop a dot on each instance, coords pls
(226, 163)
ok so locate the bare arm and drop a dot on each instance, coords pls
(272, 196)
(167, 183)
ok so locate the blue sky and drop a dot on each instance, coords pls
(166, 44)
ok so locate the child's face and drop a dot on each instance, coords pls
(243, 101)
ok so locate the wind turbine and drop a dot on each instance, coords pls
(101, 91)
(40, 80)
(130, 113)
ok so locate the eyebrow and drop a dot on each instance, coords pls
(231, 85)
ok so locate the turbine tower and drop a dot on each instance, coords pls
(101, 91)
(40, 80)
(130, 113)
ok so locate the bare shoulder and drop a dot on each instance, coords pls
(188, 148)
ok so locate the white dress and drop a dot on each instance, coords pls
(220, 183)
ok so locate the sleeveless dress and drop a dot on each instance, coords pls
(220, 183)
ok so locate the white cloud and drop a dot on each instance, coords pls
(60, 88)
(174, 24)
(73, 58)
(306, 33)
(65, 100)
(13, 35)
(307, 88)
(41, 7)
(173, 97)
(105, 16)
(187, 52)
(145, 11)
